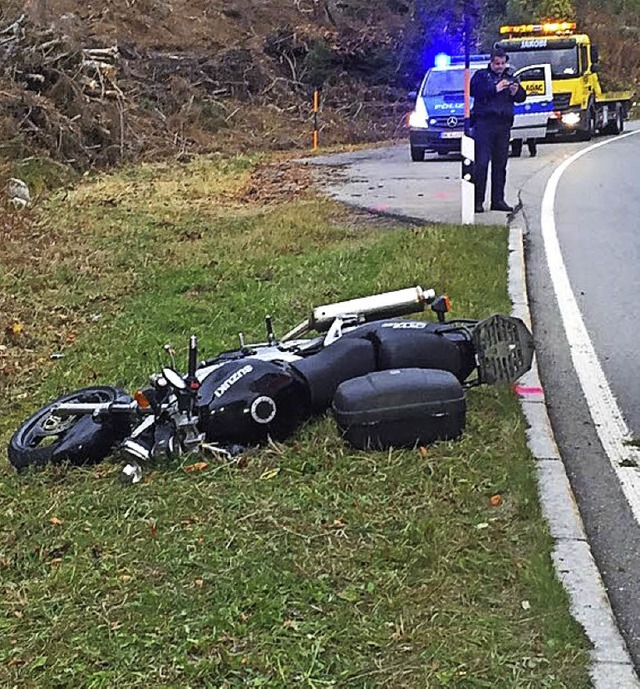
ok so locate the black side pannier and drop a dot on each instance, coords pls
(400, 407)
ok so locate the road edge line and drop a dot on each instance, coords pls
(573, 560)
(605, 412)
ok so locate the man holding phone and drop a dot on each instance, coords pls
(494, 91)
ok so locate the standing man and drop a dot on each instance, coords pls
(494, 92)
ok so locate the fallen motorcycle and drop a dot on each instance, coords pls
(374, 368)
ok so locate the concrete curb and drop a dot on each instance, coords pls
(611, 664)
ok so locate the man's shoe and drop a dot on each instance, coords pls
(479, 208)
(502, 206)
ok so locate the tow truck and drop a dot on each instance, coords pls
(437, 121)
(580, 107)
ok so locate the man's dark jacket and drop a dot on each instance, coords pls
(488, 104)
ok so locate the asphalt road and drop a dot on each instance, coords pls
(384, 180)
(596, 215)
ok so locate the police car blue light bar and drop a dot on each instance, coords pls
(442, 60)
(459, 59)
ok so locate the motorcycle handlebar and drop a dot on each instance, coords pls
(79, 408)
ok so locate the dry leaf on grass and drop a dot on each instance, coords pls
(197, 466)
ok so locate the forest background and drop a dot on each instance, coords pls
(92, 85)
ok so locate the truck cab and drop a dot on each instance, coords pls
(580, 108)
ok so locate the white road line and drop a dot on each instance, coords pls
(608, 420)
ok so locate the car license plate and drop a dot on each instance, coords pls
(451, 135)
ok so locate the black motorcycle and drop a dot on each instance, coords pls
(244, 397)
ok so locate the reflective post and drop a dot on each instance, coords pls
(316, 103)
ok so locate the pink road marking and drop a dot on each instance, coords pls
(523, 390)
(380, 207)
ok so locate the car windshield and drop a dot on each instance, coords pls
(445, 82)
(563, 61)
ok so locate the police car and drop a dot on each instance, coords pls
(437, 121)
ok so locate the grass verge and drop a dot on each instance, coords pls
(306, 564)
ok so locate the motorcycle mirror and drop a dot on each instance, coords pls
(271, 337)
(174, 378)
(169, 350)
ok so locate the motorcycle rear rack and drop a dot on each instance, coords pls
(504, 349)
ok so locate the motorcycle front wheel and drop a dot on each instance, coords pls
(47, 438)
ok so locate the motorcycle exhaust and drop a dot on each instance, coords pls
(386, 305)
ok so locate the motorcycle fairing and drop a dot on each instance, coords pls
(248, 400)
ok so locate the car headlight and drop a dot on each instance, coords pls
(418, 120)
(571, 118)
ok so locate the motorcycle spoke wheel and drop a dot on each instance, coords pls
(39, 438)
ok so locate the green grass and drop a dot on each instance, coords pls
(306, 564)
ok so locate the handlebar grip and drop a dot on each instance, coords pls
(193, 356)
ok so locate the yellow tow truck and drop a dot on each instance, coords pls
(580, 107)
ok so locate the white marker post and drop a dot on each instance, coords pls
(468, 186)
(467, 145)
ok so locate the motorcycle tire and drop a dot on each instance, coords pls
(45, 438)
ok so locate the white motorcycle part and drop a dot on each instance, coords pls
(387, 304)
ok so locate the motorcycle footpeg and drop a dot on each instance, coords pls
(223, 451)
(137, 449)
(131, 473)
(504, 349)
(166, 448)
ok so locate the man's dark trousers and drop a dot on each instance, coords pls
(492, 145)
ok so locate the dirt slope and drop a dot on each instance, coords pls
(186, 76)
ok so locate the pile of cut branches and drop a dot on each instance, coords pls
(59, 97)
(86, 104)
